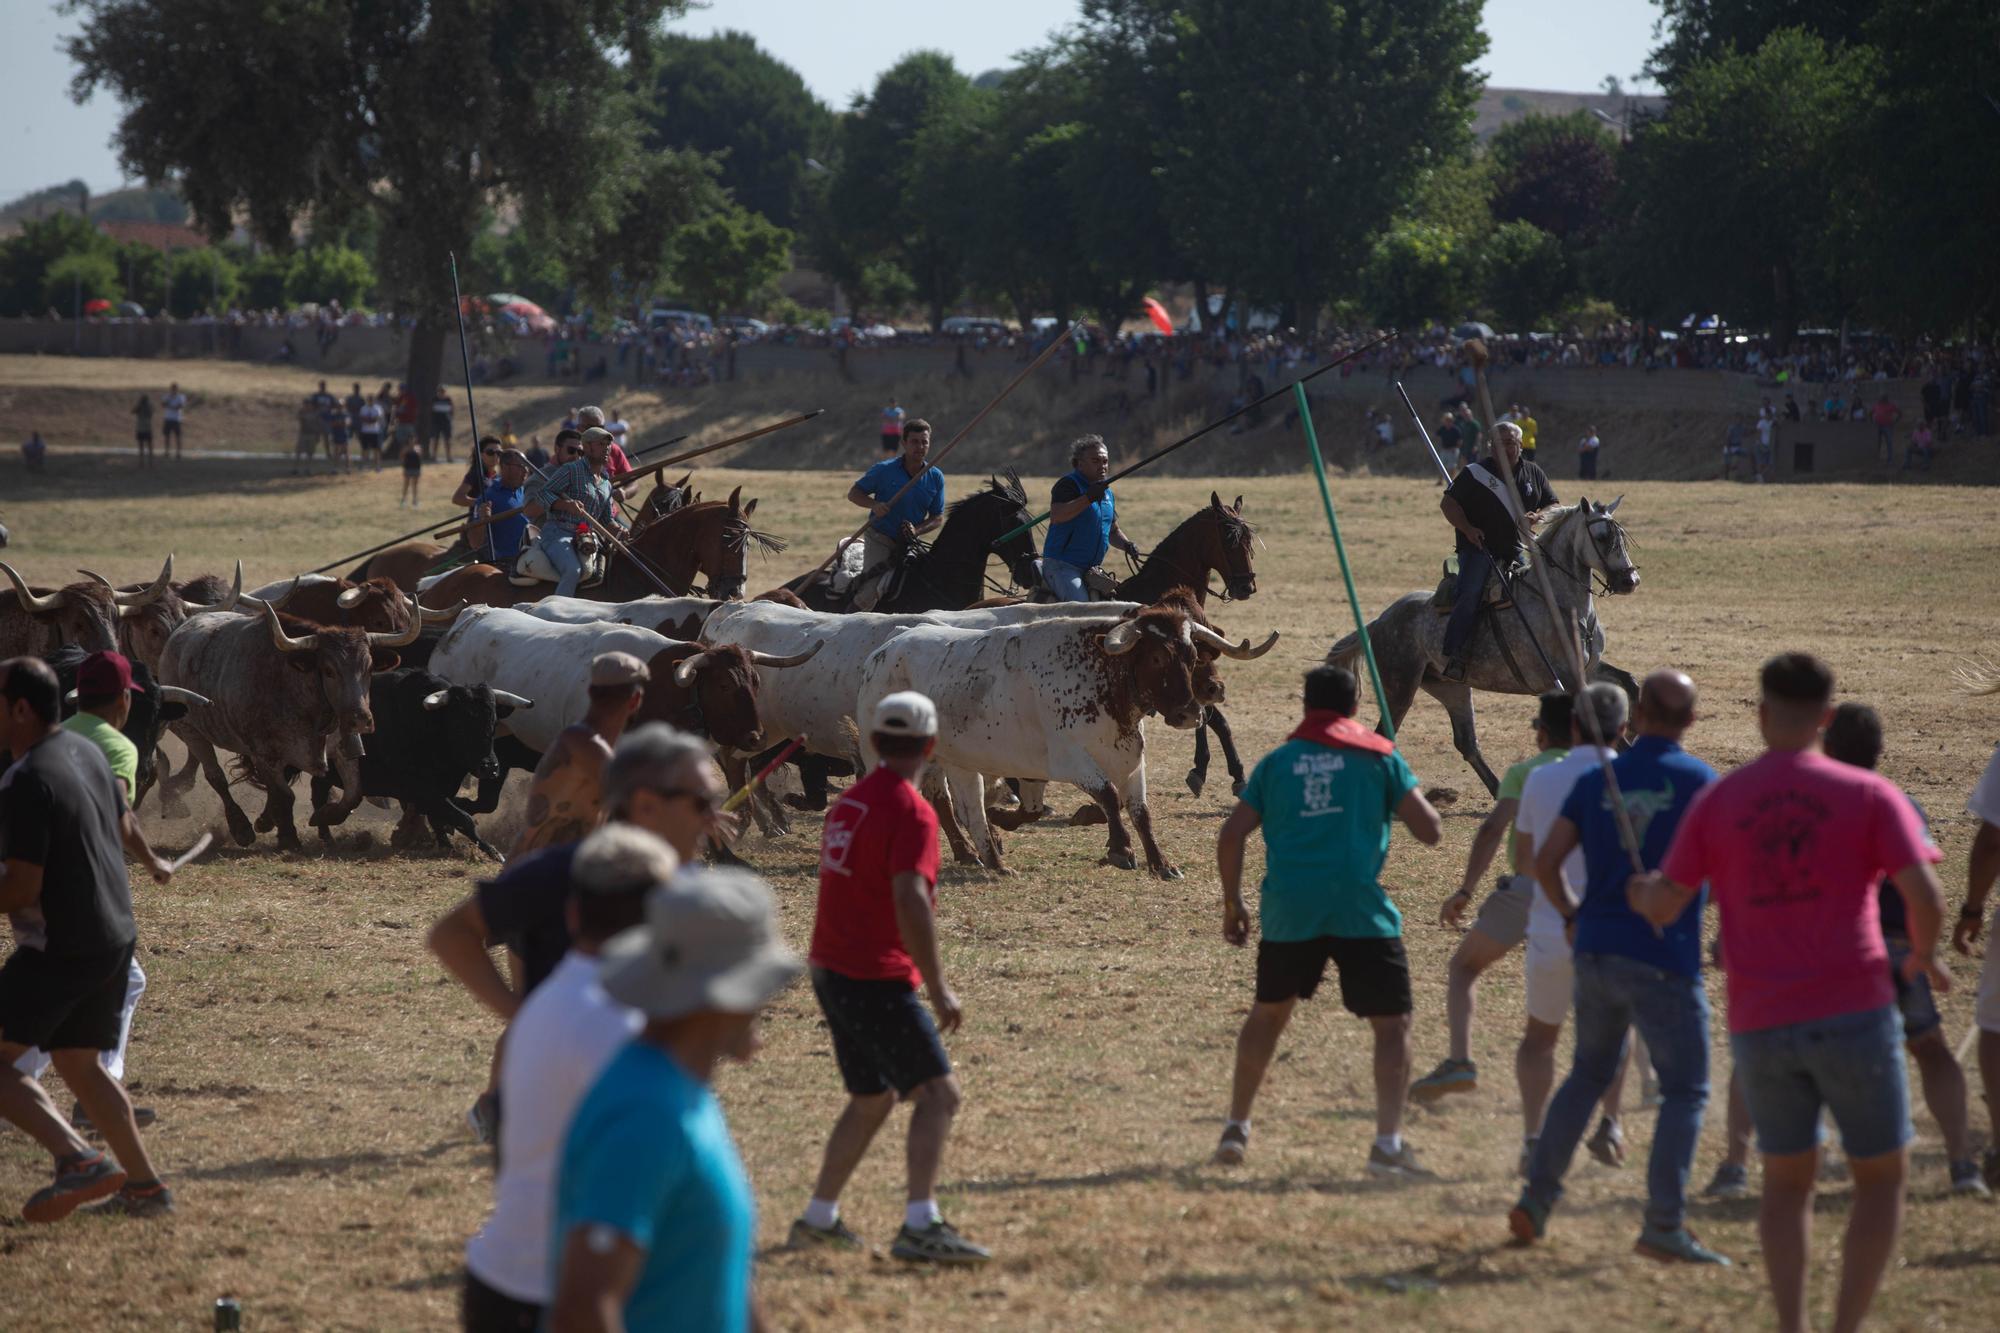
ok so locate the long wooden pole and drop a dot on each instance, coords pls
(1340, 550)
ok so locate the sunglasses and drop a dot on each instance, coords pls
(490, 453)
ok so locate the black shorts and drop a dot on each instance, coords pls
(144, 436)
(892, 444)
(63, 1004)
(481, 1309)
(883, 1037)
(370, 444)
(171, 428)
(1374, 973)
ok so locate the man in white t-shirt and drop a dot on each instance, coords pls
(1548, 972)
(559, 1042)
(1983, 869)
(172, 404)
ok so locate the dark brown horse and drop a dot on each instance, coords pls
(665, 498)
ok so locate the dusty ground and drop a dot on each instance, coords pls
(311, 1065)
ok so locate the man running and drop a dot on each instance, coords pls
(874, 943)
(565, 499)
(891, 528)
(1480, 510)
(1629, 974)
(1502, 922)
(1792, 846)
(1083, 522)
(1323, 801)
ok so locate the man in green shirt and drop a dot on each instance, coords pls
(1502, 922)
(1323, 801)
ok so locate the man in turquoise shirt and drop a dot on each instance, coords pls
(896, 516)
(1324, 800)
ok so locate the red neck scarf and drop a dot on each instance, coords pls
(1323, 726)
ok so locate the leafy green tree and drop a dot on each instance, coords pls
(1558, 172)
(729, 259)
(1528, 277)
(1417, 272)
(25, 258)
(323, 273)
(883, 287)
(78, 278)
(201, 280)
(1692, 31)
(262, 281)
(727, 96)
(142, 270)
(425, 115)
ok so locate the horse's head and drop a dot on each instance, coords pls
(1001, 508)
(1604, 546)
(1226, 541)
(666, 498)
(722, 545)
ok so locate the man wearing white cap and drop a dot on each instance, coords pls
(874, 941)
(558, 1044)
(654, 1221)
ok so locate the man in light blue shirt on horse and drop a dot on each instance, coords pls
(1083, 522)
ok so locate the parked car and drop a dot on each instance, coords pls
(663, 318)
(972, 326)
(744, 323)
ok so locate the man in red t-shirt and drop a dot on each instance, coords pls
(874, 941)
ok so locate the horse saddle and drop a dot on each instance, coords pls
(1446, 595)
(532, 566)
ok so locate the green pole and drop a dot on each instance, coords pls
(1340, 549)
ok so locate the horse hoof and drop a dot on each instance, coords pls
(239, 829)
(1009, 820)
(265, 824)
(328, 814)
(1237, 784)
(1166, 870)
(807, 803)
(1089, 814)
(1443, 796)
(1196, 780)
(1120, 861)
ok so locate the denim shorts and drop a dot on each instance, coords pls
(1850, 1064)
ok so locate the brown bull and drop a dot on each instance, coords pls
(35, 622)
(284, 694)
(711, 691)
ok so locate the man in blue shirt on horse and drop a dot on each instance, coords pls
(893, 526)
(1083, 522)
(507, 491)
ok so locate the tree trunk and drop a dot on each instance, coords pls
(426, 368)
(1201, 303)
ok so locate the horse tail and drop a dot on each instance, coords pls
(1345, 652)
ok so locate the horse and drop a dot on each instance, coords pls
(711, 538)
(402, 564)
(949, 573)
(665, 498)
(1574, 544)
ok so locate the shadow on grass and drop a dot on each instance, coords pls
(1194, 1179)
(267, 1168)
(1460, 1268)
(449, 1280)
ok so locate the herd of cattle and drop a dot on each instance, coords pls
(376, 696)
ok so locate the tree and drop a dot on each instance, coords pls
(79, 278)
(1417, 272)
(725, 95)
(1528, 278)
(201, 280)
(324, 273)
(1558, 172)
(423, 114)
(728, 259)
(262, 281)
(1696, 30)
(25, 258)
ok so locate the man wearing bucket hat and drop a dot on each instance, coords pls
(874, 941)
(654, 1222)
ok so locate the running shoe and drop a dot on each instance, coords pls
(1729, 1182)
(80, 1179)
(1234, 1144)
(1607, 1145)
(1528, 1220)
(1965, 1179)
(1678, 1246)
(938, 1243)
(1398, 1165)
(154, 1200)
(1450, 1076)
(839, 1236)
(484, 1117)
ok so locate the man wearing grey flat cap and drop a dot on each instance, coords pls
(654, 1222)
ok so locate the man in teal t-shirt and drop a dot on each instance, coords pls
(1324, 800)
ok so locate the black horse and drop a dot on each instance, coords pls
(949, 573)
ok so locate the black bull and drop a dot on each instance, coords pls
(430, 735)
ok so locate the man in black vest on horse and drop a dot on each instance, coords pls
(1476, 504)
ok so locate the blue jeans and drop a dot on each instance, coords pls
(559, 545)
(1850, 1064)
(1474, 568)
(1064, 580)
(1613, 995)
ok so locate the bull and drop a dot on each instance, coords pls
(35, 623)
(430, 735)
(285, 692)
(673, 617)
(376, 605)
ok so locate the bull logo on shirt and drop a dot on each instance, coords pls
(837, 842)
(1642, 806)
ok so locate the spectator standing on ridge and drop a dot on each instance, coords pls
(1886, 414)
(368, 428)
(413, 471)
(892, 428)
(440, 425)
(172, 405)
(142, 428)
(1586, 454)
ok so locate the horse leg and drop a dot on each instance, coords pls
(1197, 776)
(202, 754)
(1456, 696)
(1216, 722)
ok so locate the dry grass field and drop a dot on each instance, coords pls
(311, 1064)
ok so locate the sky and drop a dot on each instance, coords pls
(1561, 45)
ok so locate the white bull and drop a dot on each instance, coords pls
(675, 617)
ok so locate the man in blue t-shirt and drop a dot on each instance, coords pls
(1324, 800)
(1629, 974)
(507, 491)
(1083, 522)
(654, 1222)
(895, 522)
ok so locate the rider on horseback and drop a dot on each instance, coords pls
(891, 528)
(565, 496)
(1478, 506)
(1083, 522)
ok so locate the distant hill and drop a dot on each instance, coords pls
(138, 203)
(1498, 106)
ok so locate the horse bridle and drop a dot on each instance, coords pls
(1592, 572)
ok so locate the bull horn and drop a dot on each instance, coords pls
(286, 643)
(433, 616)
(96, 577)
(259, 603)
(147, 596)
(508, 699)
(407, 637)
(435, 699)
(235, 595)
(174, 694)
(795, 659)
(348, 597)
(1242, 652)
(685, 668)
(44, 604)
(1121, 639)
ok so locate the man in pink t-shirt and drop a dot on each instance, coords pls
(1792, 846)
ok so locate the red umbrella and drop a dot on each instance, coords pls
(99, 306)
(1158, 314)
(536, 319)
